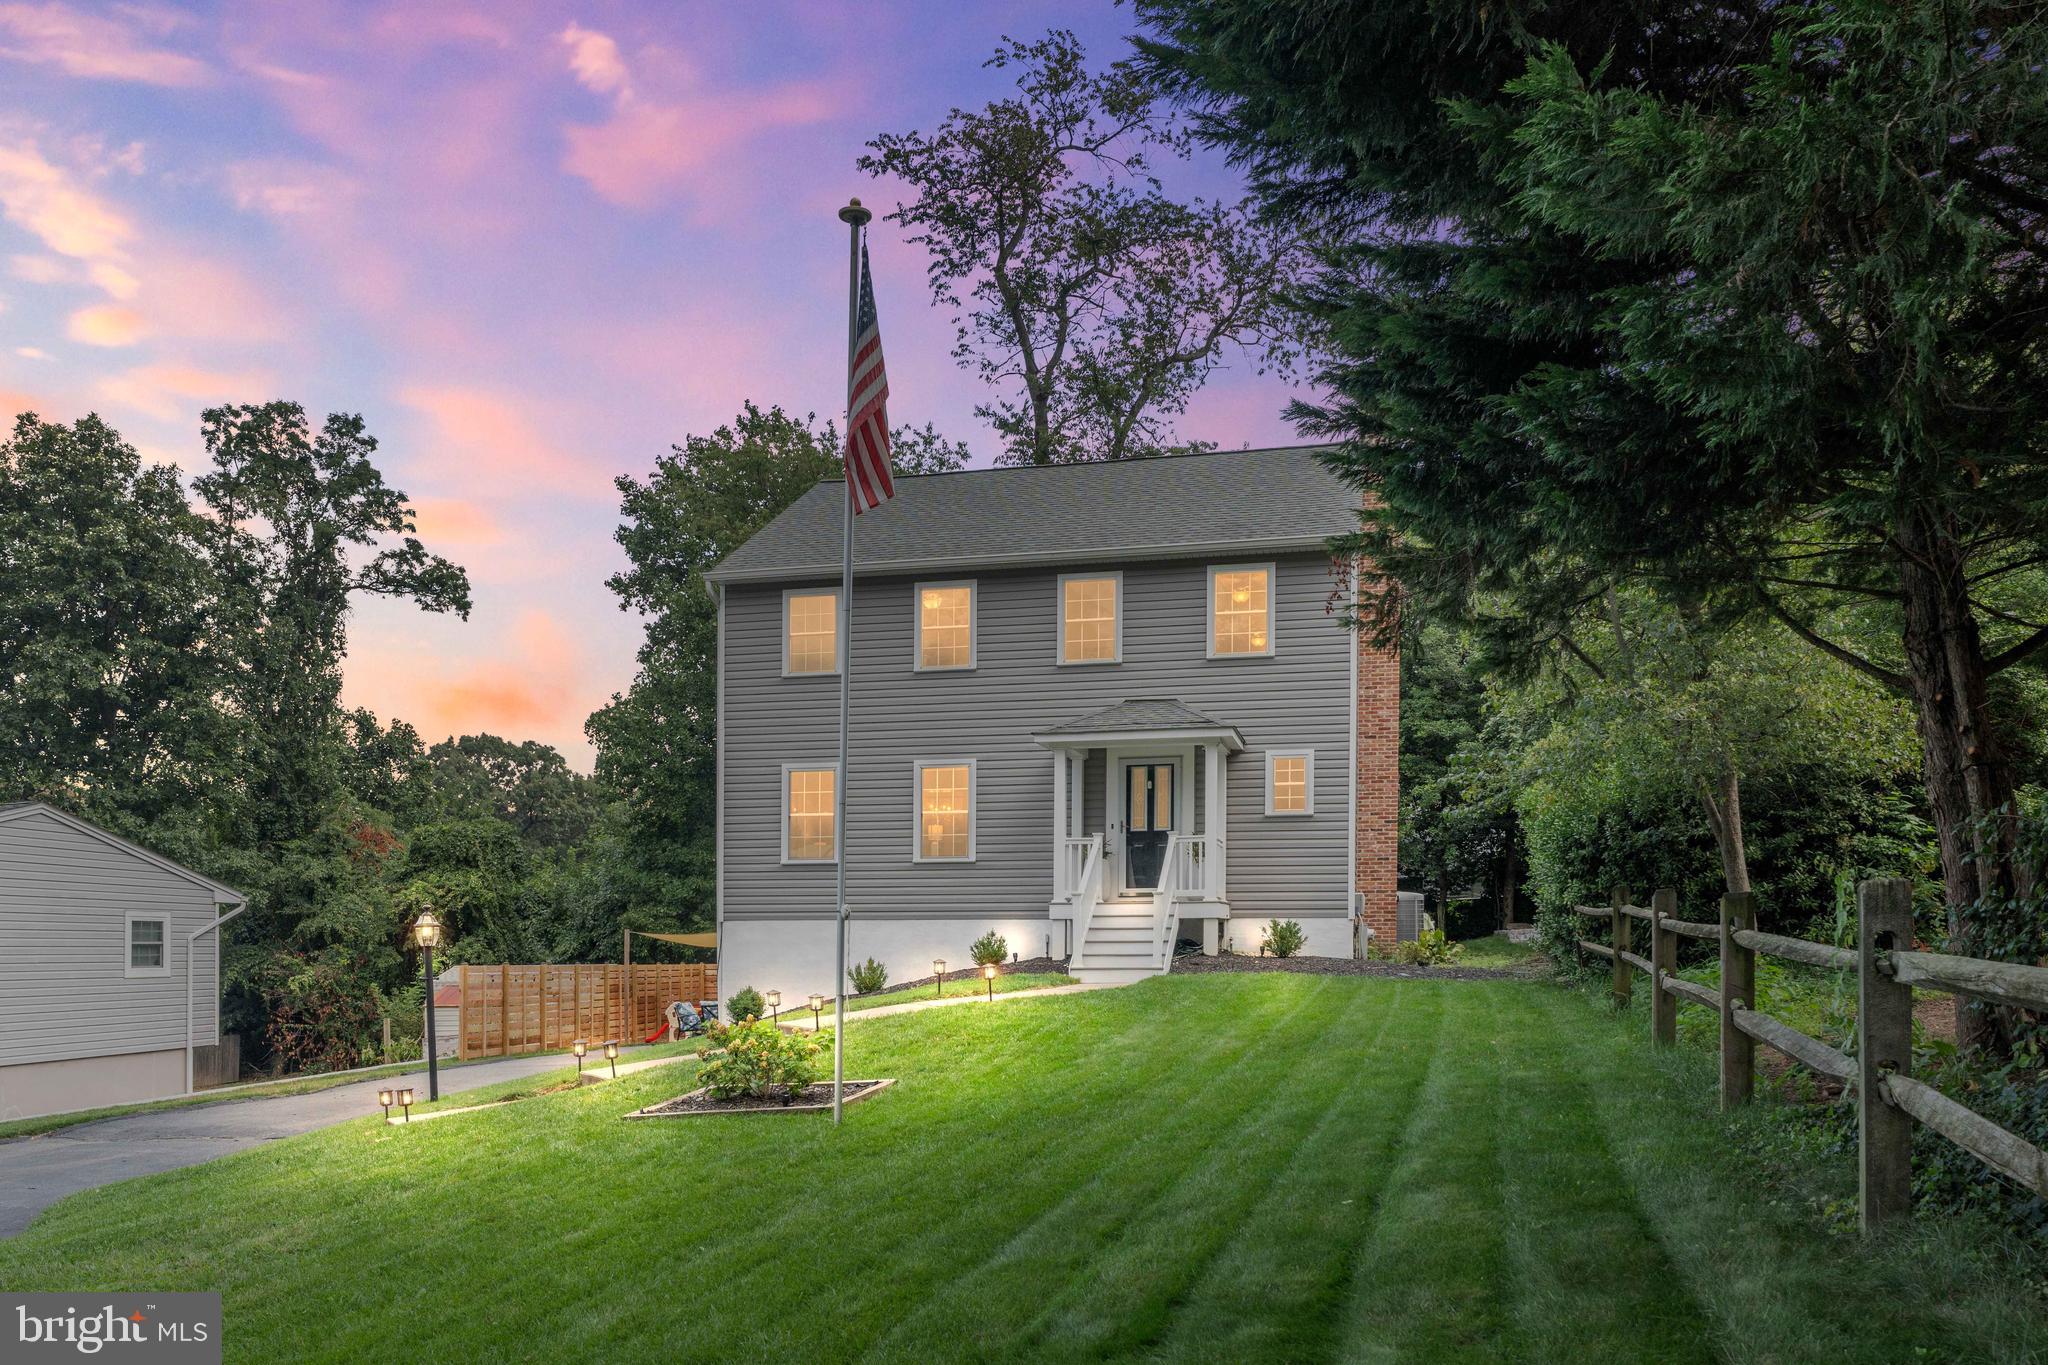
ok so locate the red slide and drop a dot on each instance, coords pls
(658, 1032)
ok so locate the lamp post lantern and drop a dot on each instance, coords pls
(817, 1011)
(426, 931)
(988, 974)
(579, 1047)
(938, 976)
(611, 1054)
(405, 1102)
(774, 1000)
(384, 1097)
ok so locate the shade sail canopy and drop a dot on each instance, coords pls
(687, 940)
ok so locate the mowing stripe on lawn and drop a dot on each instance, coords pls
(1126, 1155)
(1278, 1282)
(1431, 1268)
(1132, 1293)
(1591, 1280)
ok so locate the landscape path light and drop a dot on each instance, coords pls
(817, 1010)
(384, 1098)
(939, 974)
(405, 1102)
(774, 999)
(611, 1054)
(426, 931)
(989, 974)
(579, 1047)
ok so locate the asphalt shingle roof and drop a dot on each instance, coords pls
(1139, 713)
(1282, 498)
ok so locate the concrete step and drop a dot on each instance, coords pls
(1112, 976)
(1136, 933)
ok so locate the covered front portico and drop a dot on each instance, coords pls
(1140, 831)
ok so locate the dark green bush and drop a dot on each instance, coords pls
(744, 1004)
(868, 977)
(991, 947)
(1283, 938)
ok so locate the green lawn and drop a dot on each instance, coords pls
(1270, 1167)
(905, 995)
(1495, 950)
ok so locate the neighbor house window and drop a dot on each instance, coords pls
(809, 816)
(1240, 610)
(1290, 783)
(146, 946)
(810, 632)
(945, 625)
(1091, 628)
(945, 811)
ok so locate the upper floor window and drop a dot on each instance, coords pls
(1240, 610)
(809, 814)
(810, 631)
(146, 946)
(1091, 618)
(945, 625)
(945, 811)
(1290, 782)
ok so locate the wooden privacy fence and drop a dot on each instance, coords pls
(1888, 1100)
(509, 1010)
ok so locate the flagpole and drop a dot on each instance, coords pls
(855, 217)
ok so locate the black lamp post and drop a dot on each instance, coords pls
(426, 931)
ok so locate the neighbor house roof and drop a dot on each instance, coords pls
(1227, 502)
(222, 894)
(1140, 716)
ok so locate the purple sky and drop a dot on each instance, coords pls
(533, 244)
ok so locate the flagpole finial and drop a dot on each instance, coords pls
(853, 213)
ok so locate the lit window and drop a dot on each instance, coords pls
(1290, 784)
(945, 625)
(945, 810)
(1088, 624)
(145, 946)
(1241, 611)
(808, 801)
(811, 636)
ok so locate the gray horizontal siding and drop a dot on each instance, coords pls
(1298, 698)
(64, 904)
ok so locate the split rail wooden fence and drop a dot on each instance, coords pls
(510, 1010)
(1889, 1101)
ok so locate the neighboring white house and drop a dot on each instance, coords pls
(109, 966)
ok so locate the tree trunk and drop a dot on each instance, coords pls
(1723, 800)
(1969, 776)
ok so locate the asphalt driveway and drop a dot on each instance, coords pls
(36, 1172)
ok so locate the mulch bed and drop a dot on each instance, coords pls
(1031, 965)
(1196, 964)
(817, 1096)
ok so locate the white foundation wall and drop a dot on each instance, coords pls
(796, 956)
(31, 1089)
(1326, 936)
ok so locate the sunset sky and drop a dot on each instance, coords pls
(533, 244)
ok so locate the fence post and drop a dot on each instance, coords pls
(1738, 986)
(1884, 1025)
(1663, 963)
(1623, 974)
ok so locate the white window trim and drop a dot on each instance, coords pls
(838, 834)
(917, 625)
(1272, 609)
(838, 630)
(1059, 625)
(128, 944)
(1308, 781)
(917, 768)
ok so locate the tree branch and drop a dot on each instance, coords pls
(1898, 682)
(2007, 658)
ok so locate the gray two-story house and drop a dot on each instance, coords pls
(1097, 708)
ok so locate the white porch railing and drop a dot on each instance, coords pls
(1072, 872)
(1194, 867)
(1087, 892)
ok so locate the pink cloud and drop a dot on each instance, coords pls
(46, 201)
(108, 324)
(646, 151)
(96, 47)
(171, 392)
(491, 442)
(453, 521)
(596, 61)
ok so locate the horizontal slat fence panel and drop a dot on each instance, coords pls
(509, 1010)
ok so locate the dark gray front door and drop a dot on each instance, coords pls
(1148, 822)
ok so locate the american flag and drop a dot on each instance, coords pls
(867, 402)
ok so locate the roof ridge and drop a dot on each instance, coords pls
(1106, 464)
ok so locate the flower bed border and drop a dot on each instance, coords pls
(851, 1096)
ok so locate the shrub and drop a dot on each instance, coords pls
(991, 947)
(759, 1058)
(868, 977)
(1283, 938)
(1430, 949)
(744, 1004)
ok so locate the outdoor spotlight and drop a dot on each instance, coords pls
(426, 930)
(579, 1047)
(774, 1000)
(988, 974)
(611, 1054)
(939, 974)
(817, 1010)
(384, 1098)
(405, 1102)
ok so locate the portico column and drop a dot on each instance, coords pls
(1213, 819)
(1060, 889)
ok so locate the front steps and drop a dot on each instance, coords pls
(1121, 945)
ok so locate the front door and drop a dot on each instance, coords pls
(1148, 822)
